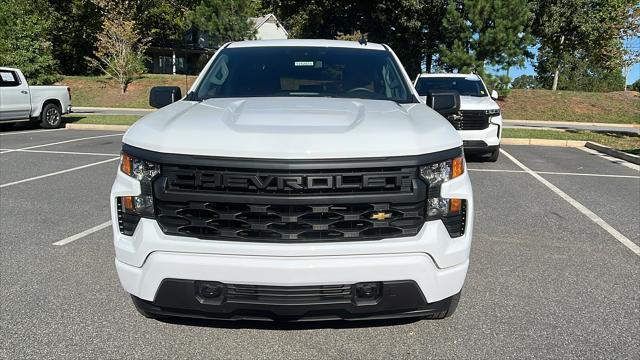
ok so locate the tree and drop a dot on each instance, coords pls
(636, 86)
(580, 73)
(25, 40)
(120, 50)
(225, 20)
(485, 32)
(411, 27)
(525, 82)
(630, 52)
(74, 35)
(589, 29)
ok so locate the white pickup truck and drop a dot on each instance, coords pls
(20, 102)
(297, 180)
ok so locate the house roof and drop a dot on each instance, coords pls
(261, 20)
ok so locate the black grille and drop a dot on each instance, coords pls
(470, 120)
(186, 178)
(288, 295)
(289, 223)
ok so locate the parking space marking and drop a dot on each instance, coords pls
(559, 173)
(82, 234)
(58, 172)
(611, 158)
(59, 142)
(61, 152)
(30, 131)
(590, 214)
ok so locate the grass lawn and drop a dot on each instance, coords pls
(622, 141)
(102, 119)
(613, 107)
(100, 91)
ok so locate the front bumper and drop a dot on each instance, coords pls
(483, 140)
(395, 299)
(435, 284)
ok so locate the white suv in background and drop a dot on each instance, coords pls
(479, 121)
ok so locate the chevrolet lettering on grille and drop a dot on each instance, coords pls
(213, 180)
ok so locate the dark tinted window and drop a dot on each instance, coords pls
(471, 86)
(304, 71)
(8, 78)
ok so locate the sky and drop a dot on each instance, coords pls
(528, 69)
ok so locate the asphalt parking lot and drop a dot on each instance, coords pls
(555, 267)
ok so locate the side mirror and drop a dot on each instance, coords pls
(423, 99)
(494, 95)
(446, 102)
(161, 96)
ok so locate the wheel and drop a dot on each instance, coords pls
(493, 156)
(51, 116)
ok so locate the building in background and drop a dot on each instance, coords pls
(190, 56)
(269, 28)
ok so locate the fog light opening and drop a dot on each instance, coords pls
(210, 290)
(367, 292)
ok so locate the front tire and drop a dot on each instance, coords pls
(51, 116)
(493, 156)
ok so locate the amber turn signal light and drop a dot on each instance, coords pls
(455, 206)
(457, 167)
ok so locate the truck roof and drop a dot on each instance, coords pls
(449, 75)
(8, 68)
(306, 42)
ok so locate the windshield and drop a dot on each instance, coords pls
(304, 71)
(469, 86)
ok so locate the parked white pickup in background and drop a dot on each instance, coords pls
(21, 102)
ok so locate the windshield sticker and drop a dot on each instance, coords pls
(304, 63)
(472, 78)
(7, 76)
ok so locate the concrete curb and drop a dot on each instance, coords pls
(635, 159)
(89, 108)
(542, 142)
(540, 122)
(97, 127)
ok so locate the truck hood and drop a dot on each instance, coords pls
(477, 103)
(293, 128)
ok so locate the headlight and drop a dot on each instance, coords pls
(131, 208)
(437, 173)
(492, 112)
(136, 168)
(451, 211)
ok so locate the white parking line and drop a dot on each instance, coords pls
(80, 235)
(30, 132)
(62, 152)
(57, 172)
(59, 142)
(590, 214)
(559, 173)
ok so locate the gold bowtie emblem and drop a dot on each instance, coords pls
(380, 216)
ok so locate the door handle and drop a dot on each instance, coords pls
(24, 91)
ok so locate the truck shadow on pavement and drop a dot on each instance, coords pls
(274, 325)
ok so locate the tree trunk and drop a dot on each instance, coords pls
(428, 62)
(556, 74)
(123, 87)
